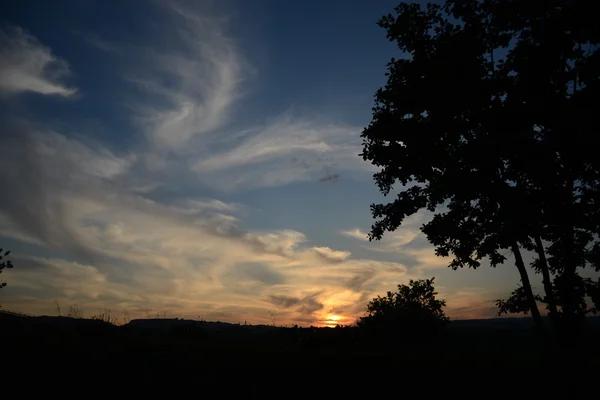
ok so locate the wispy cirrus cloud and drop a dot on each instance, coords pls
(355, 233)
(471, 303)
(281, 152)
(332, 255)
(185, 106)
(189, 92)
(29, 66)
(407, 243)
(195, 80)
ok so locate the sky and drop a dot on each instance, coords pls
(200, 159)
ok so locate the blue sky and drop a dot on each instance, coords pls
(201, 158)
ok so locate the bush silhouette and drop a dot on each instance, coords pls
(412, 311)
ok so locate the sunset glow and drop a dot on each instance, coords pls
(203, 166)
(333, 320)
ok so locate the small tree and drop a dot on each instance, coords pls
(4, 264)
(273, 316)
(412, 309)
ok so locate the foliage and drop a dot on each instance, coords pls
(75, 311)
(488, 121)
(412, 309)
(106, 316)
(4, 264)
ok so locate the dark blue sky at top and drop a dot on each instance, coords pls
(315, 57)
(319, 57)
(325, 57)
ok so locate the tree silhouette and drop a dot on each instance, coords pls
(4, 264)
(487, 120)
(272, 316)
(412, 309)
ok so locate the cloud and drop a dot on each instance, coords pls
(330, 178)
(357, 282)
(281, 242)
(98, 42)
(120, 250)
(46, 174)
(283, 151)
(72, 199)
(331, 255)
(306, 305)
(200, 205)
(123, 229)
(355, 234)
(29, 66)
(185, 107)
(73, 279)
(188, 94)
(284, 301)
(194, 81)
(407, 243)
(260, 273)
(470, 303)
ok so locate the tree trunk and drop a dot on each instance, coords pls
(535, 312)
(569, 321)
(550, 298)
(547, 281)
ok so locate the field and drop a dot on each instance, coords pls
(163, 349)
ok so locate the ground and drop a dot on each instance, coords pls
(167, 350)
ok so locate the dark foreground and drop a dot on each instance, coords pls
(162, 350)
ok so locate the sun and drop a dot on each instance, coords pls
(332, 320)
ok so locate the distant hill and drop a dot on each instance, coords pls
(164, 324)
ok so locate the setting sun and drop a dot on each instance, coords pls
(332, 320)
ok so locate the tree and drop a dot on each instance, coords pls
(273, 316)
(4, 264)
(488, 121)
(412, 309)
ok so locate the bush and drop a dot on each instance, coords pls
(412, 311)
